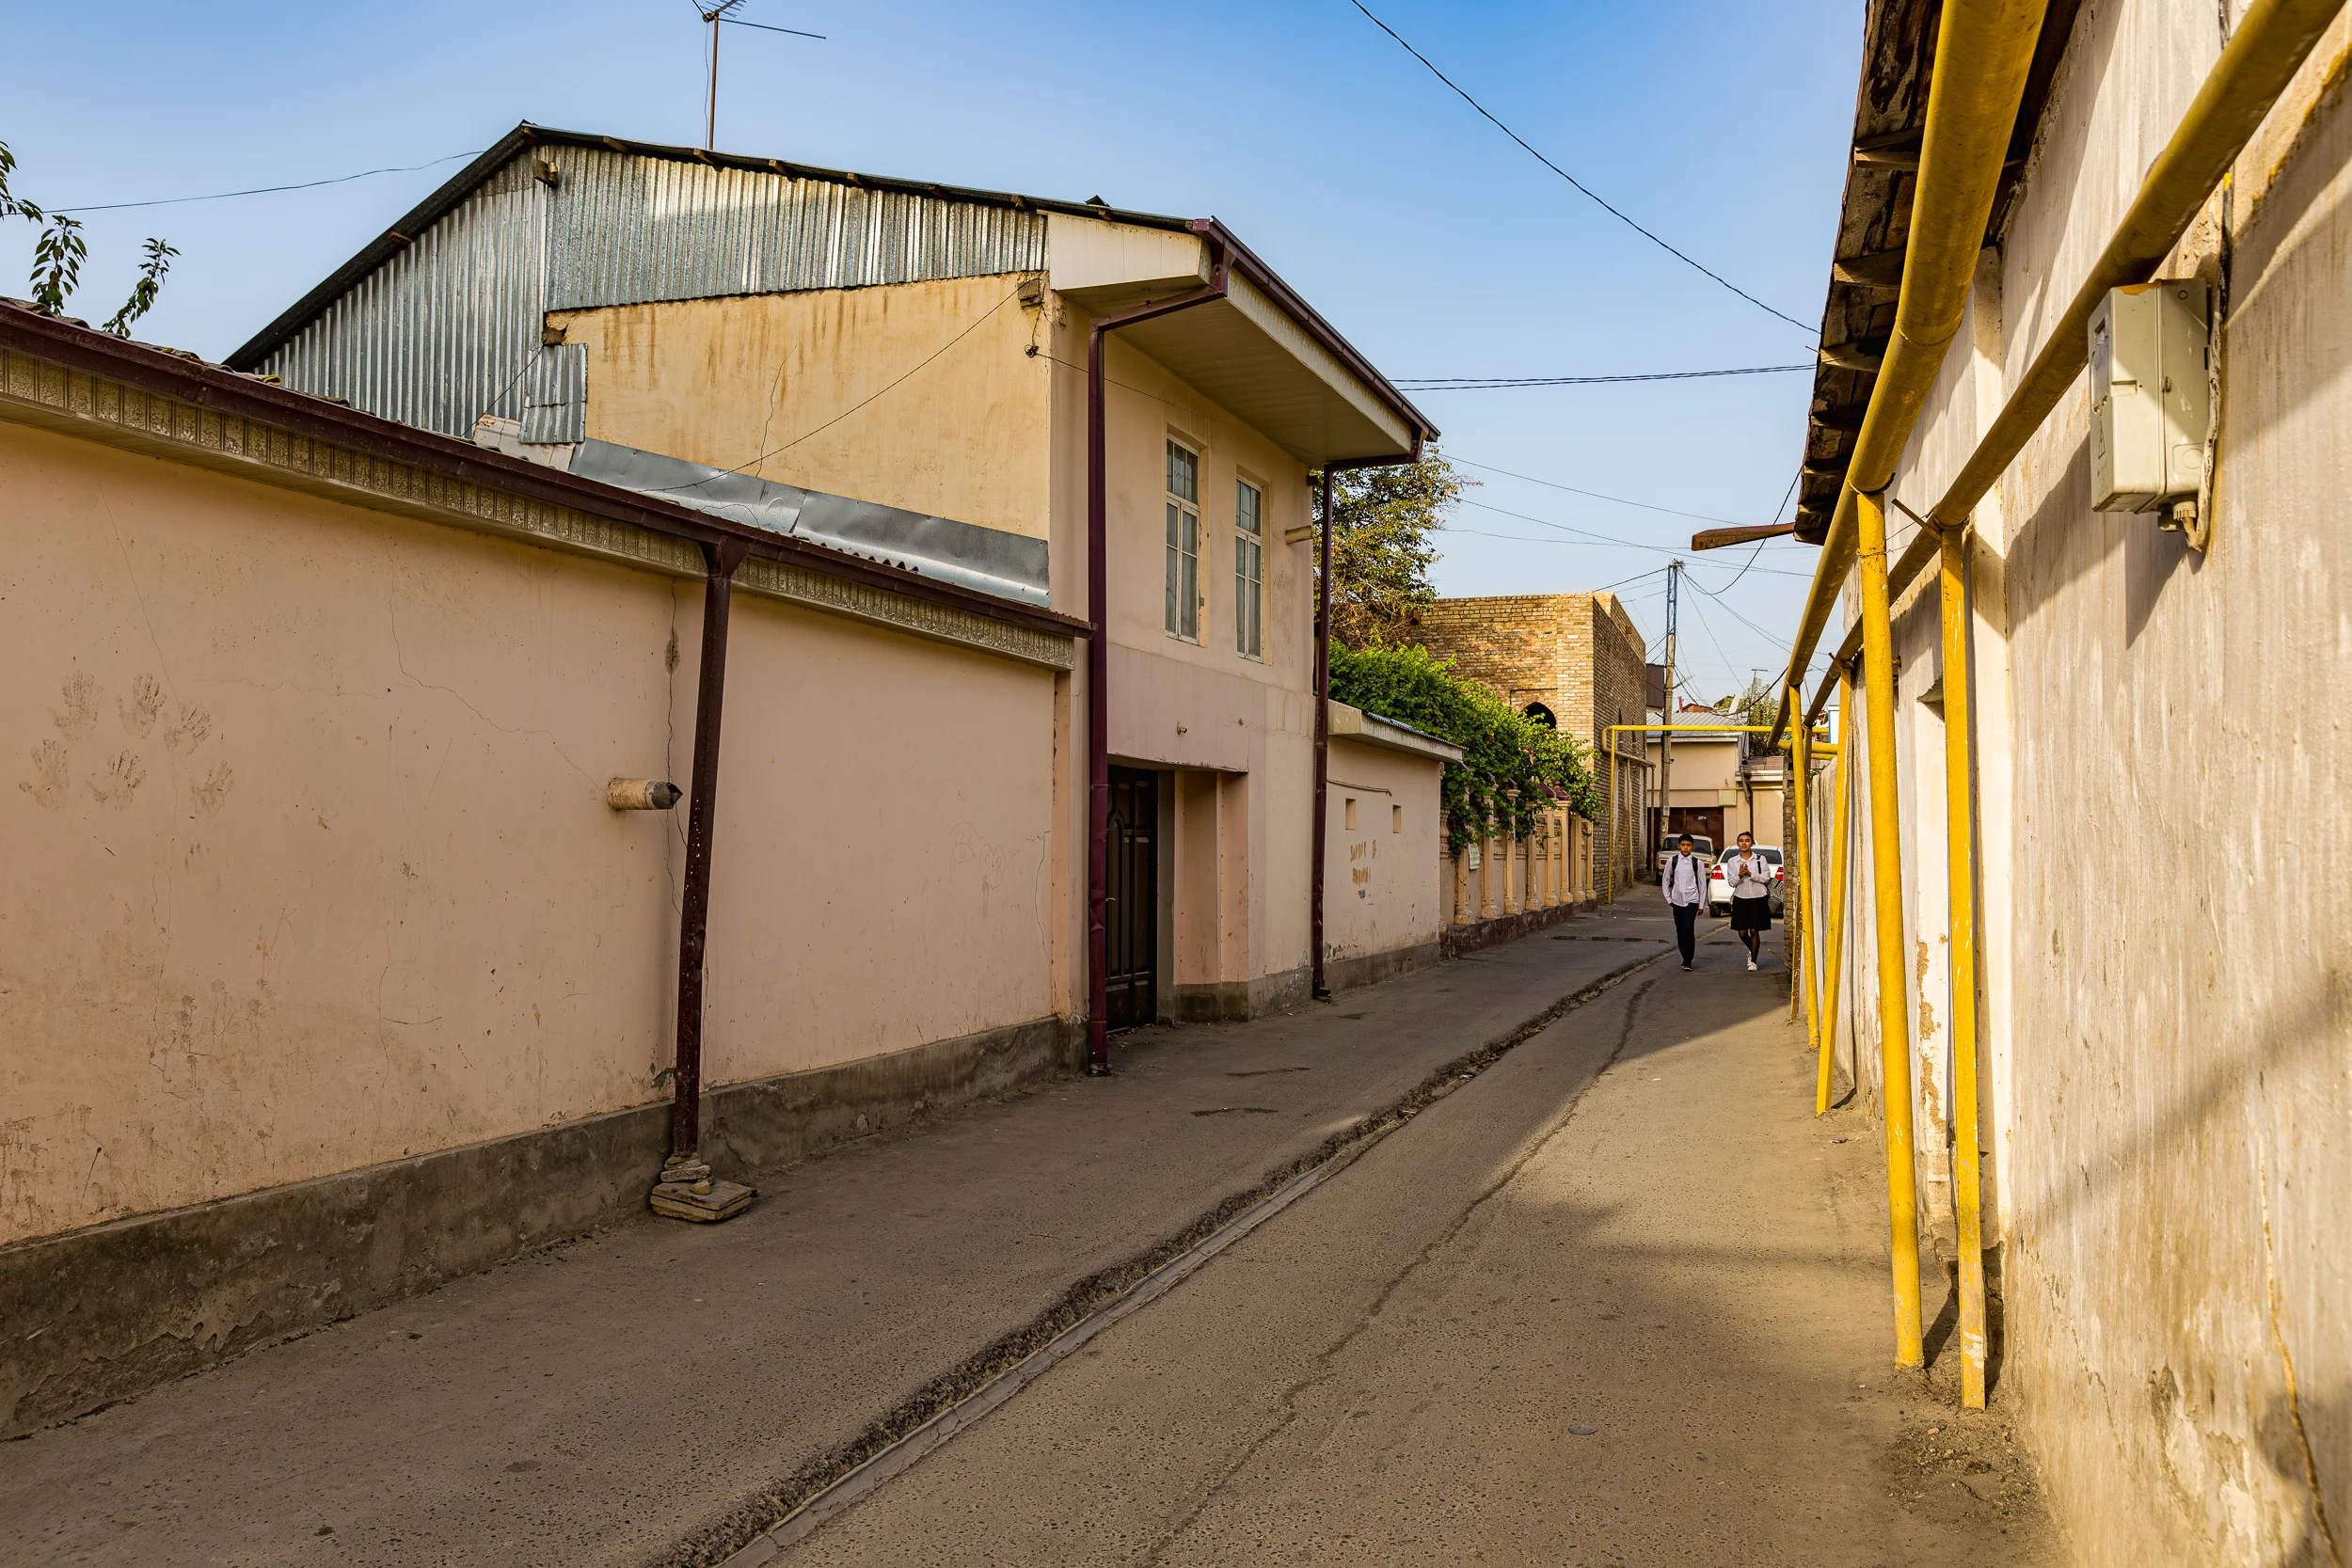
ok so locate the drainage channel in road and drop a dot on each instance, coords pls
(954, 1403)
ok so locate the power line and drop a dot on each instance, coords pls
(269, 190)
(1582, 188)
(1768, 636)
(1604, 538)
(1497, 382)
(1593, 495)
(1769, 522)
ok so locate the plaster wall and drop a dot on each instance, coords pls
(1701, 769)
(1383, 889)
(309, 862)
(2168, 1020)
(915, 395)
(311, 870)
(881, 871)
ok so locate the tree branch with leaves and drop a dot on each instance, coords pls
(1381, 551)
(59, 255)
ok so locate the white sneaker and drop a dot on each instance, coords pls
(1751, 966)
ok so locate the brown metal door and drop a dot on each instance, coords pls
(1134, 915)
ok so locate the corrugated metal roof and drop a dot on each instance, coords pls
(883, 234)
(446, 328)
(699, 233)
(438, 322)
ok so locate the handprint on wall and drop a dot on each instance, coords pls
(80, 715)
(189, 731)
(123, 776)
(141, 706)
(51, 775)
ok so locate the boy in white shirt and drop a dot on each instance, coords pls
(1685, 882)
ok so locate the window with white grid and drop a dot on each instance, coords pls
(1249, 570)
(1184, 544)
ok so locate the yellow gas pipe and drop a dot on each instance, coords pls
(1886, 893)
(1833, 951)
(1959, 839)
(1807, 933)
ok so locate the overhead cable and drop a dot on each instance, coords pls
(1493, 383)
(270, 190)
(1584, 189)
(1598, 538)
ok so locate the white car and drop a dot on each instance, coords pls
(1719, 889)
(1701, 845)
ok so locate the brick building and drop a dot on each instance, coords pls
(1574, 659)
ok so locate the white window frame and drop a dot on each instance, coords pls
(1249, 569)
(1180, 607)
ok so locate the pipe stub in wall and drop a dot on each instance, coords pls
(642, 795)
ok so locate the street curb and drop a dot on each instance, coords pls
(789, 1511)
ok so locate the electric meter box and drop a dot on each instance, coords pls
(2151, 394)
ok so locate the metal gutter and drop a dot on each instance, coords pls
(207, 385)
(1318, 855)
(1098, 655)
(1983, 52)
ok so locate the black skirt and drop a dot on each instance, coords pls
(1751, 914)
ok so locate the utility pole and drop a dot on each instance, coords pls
(717, 14)
(1666, 735)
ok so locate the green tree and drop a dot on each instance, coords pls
(1504, 749)
(1381, 520)
(1758, 702)
(59, 255)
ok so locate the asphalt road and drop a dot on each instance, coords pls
(1619, 1299)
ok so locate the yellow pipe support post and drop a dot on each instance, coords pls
(1886, 910)
(1960, 835)
(1833, 949)
(1807, 934)
(1612, 882)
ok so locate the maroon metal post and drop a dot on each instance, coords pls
(1323, 743)
(1098, 663)
(695, 908)
(1323, 709)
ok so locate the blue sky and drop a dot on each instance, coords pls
(1436, 244)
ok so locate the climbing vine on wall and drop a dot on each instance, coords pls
(1503, 748)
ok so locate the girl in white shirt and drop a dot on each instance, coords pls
(1750, 875)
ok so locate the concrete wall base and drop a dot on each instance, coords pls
(1235, 1001)
(103, 1313)
(1470, 938)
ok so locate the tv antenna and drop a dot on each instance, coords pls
(723, 14)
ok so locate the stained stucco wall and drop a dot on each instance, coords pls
(1382, 889)
(309, 866)
(308, 860)
(915, 395)
(2161, 753)
(882, 876)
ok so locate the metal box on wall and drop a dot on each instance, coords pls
(2151, 394)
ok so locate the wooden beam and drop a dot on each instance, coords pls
(1716, 538)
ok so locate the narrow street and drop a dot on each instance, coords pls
(1619, 1300)
(1626, 1221)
